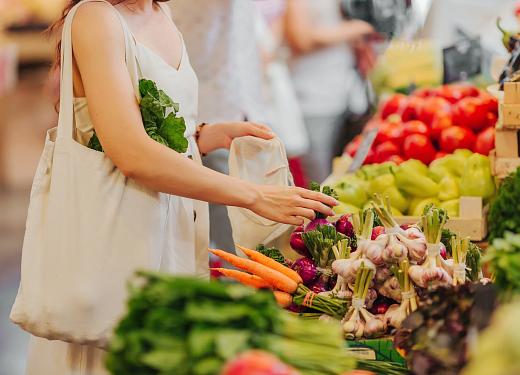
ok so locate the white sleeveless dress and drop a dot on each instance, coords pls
(185, 220)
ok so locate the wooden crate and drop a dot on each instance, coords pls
(509, 108)
(471, 221)
(502, 167)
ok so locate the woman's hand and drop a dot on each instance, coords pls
(290, 205)
(358, 31)
(216, 136)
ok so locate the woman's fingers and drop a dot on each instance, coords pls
(305, 212)
(260, 131)
(317, 196)
(316, 206)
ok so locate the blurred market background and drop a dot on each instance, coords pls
(443, 40)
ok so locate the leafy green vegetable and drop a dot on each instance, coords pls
(160, 120)
(320, 241)
(503, 213)
(327, 190)
(271, 252)
(504, 261)
(473, 258)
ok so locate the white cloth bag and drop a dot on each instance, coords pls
(88, 229)
(261, 162)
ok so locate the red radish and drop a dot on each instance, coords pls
(485, 141)
(256, 362)
(456, 137)
(433, 107)
(470, 113)
(439, 123)
(316, 223)
(414, 127)
(419, 146)
(306, 269)
(344, 226)
(297, 244)
(385, 150)
(319, 286)
(377, 231)
(443, 252)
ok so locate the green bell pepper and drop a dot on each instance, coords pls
(419, 208)
(380, 183)
(415, 184)
(448, 188)
(452, 164)
(345, 208)
(452, 207)
(415, 165)
(397, 199)
(352, 193)
(476, 180)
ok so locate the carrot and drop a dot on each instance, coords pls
(243, 278)
(276, 279)
(284, 299)
(271, 263)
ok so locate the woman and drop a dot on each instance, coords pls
(101, 79)
(328, 51)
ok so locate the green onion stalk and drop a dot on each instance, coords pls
(459, 248)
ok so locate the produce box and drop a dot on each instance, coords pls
(375, 349)
(506, 156)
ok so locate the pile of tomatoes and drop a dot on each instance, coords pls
(431, 123)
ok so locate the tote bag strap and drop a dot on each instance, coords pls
(66, 116)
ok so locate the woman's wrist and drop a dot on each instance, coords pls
(202, 139)
(248, 194)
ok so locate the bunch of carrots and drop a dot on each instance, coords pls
(262, 272)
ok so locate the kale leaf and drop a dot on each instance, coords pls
(503, 213)
(160, 119)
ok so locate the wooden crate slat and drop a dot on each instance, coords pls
(511, 93)
(509, 115)
(506, 143)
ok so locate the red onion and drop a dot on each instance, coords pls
(298, 245)
(306, 269)
(319, 286)
(317, 222)
(344, 226)
(379, 307)
(377, 231)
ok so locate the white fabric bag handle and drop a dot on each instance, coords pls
(66, 118)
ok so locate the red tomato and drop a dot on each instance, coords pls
(395, 104)
(485, 141)
(440, 123)
(470, 113)
(412, 108)
(256, 362)
(440, 154)
(370, 157)
(425, 92)
(491, 119)
(455, 92)
(384, 150)
(490, 102)
(419, 146)
(456, 137)
(352, 147)
(390, 132)
(433, 107)
(397, 159)
(414, 127)
(394, 119)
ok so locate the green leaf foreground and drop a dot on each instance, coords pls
(165, 129)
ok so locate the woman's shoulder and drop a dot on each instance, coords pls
(95, 23)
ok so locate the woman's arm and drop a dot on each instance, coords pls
(305, 36)
(99, 52)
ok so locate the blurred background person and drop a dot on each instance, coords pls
(282, 103)
(219, 37)
(331, 57)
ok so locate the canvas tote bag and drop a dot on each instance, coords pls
(261, 162)
(88, 229)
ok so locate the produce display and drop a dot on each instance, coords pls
(503, 257)
(430, 123)
(412, 185)
(189, 326)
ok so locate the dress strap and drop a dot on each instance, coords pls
(66, 117)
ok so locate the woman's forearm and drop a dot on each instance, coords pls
(161, 169)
